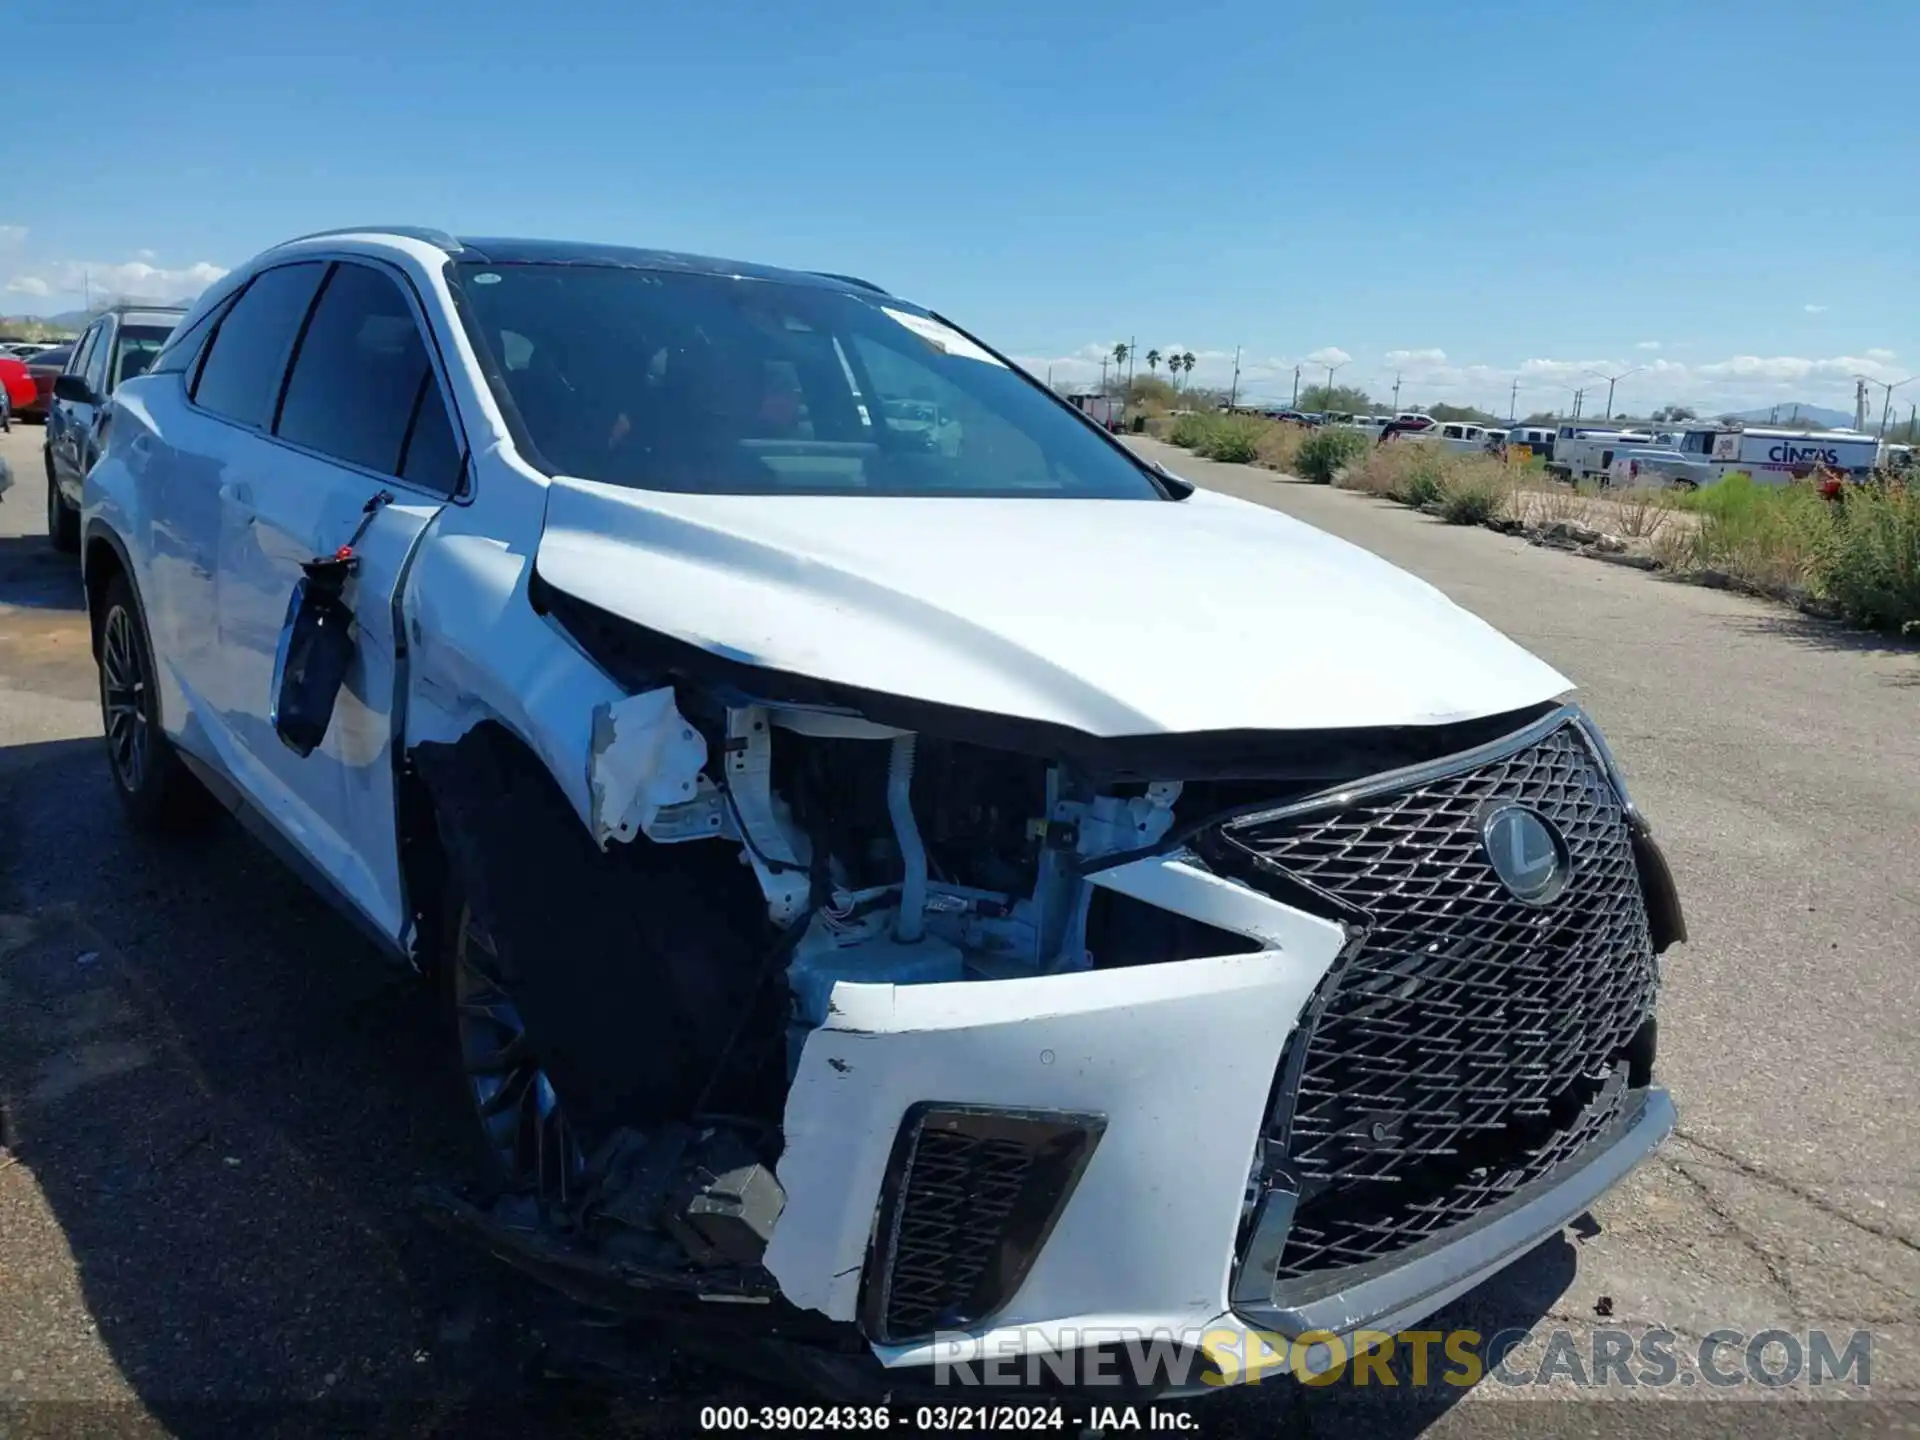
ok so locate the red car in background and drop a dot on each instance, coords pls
(17, 388)
(45, 368)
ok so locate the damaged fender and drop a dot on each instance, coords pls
(643, 757)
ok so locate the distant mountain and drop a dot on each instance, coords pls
(1809, 415)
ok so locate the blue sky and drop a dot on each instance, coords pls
(1727, 194)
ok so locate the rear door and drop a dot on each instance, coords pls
(362, 414)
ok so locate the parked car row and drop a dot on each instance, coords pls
(116, 346)
(733, 686)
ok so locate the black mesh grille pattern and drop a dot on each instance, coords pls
(1462, 1050)
(958, 1194)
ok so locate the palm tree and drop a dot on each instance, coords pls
(1153, 361)
(1186, 363)
(1120, 353)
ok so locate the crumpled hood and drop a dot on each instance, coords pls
(1110, 617)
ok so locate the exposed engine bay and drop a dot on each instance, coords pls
(744, 861)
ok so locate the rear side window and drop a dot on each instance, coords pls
(362, 389)
(183, 347)
(241, 377)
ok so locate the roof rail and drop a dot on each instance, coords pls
(851, 280)
(410, 232)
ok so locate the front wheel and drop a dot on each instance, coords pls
(63, 520)
(524, 1142)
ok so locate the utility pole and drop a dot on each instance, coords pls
(1050, 377)
(86, 279)
(1233, 394)
(1133, 344)
(1577, 395)
(1103, 374)
(1513, 402)
(1396, 392)
(1296, 389)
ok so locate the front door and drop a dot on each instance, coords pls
(362, 417)
(70, 423)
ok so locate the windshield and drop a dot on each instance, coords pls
(664, 380)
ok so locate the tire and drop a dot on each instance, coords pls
(159, 793)
(63, 520)
(516, 1127)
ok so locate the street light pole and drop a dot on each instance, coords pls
(1886, 410)
(1326, 401)
(1233, 392)
(1613, 380)
(1296, 389)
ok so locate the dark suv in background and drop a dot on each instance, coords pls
(118, 345)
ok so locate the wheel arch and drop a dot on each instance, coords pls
(103, 555)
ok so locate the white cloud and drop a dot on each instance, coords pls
(1814, 309)
(1648, 345)
(13, 235)
(1878, 354)
(1416, 357)
(139, 279)
(1328, 355)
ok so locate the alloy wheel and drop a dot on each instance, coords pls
(124, 699)
(521, 1119)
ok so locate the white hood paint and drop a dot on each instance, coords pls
(1108, 617)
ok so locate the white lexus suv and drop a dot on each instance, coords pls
(956, 900)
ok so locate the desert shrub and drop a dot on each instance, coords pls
(1771, 536)
(1410, 471)
(1234, 440)
(1328, 450)
(1280, 446)
(1474, 491)
(1190, 431)
(1870, 565)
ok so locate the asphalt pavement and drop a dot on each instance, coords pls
(216, 1105)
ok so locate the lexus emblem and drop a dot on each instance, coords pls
(1528, 854)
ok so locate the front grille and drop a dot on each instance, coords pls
(972, 1195)
(1465, 1046)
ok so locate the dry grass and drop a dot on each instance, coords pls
(1279, 446)
(1469, 489)
(1641, 513)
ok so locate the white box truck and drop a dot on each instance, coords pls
(1775, 456)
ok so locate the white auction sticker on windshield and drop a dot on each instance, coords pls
(943, 338)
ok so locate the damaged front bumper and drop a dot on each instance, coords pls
(1404, 1079)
